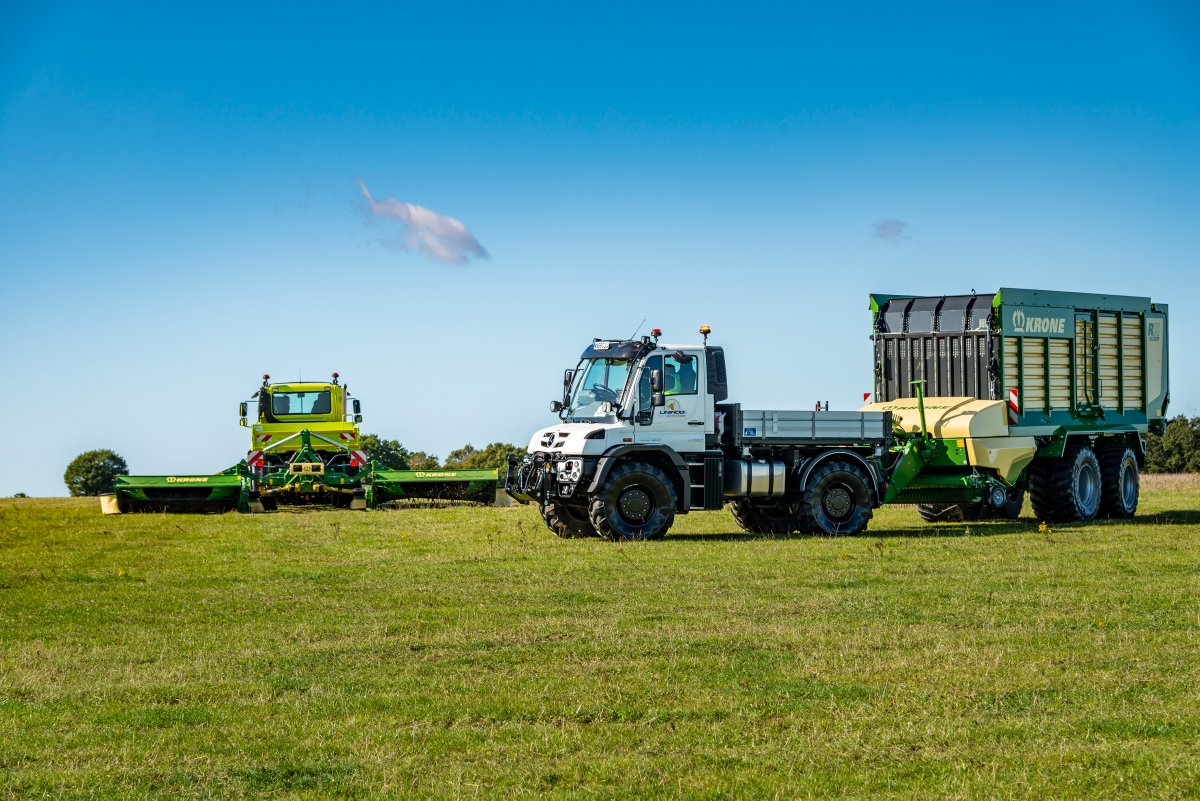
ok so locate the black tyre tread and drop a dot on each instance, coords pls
(1010, 510)
(763, 516)
(950, 513)
(568, 522)
(610, 528)
(1050, 487)
(809, 517)
(1111, 503)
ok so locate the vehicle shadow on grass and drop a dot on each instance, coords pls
(1170, 517)
(979, 528)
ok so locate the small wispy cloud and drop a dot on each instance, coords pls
(892, 230)
(438, 236)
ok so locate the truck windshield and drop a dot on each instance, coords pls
(597, 381)
(299, 403)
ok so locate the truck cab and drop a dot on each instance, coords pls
(324, 409)
(639, 391)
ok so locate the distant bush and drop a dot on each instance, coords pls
(1177, 449)
(20, 495)
(388, 452)
(495, 455)
(93, 473)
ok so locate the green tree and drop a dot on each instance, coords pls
(494, 455)
(20, 495)
(1177, 449)
(461, 458)
(388, 452)
(93, 472)
(420, 460)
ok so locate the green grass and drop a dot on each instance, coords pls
(467, 652)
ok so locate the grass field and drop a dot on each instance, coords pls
(467, 652)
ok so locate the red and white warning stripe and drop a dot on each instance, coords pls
(252, 457)
(1014, 406)
(347, 436)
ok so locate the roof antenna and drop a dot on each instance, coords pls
(639, 328)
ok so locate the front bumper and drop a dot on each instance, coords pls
(538, 477)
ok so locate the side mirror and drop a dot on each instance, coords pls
(556, 406)
(658, 399)
(656, 382)
(242, 413)
(358, 418)
(357, 410)
(568, 377)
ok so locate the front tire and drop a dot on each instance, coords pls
(568, 522)
(1119, 484)
(637, 502)
(1066, 489)
(837, 499)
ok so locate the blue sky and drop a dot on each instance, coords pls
(180, 208)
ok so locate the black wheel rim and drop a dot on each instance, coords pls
(838, 502)
(635, 504)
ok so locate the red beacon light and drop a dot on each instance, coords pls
(656, 333)
(335, 378)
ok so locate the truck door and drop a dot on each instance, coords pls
(680, 423)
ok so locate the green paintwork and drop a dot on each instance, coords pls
(321, 467)
(472, 485)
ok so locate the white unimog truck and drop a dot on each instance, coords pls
(1032, 391)
(646, 434)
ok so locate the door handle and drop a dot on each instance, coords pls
(695, 422)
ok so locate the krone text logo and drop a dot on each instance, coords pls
(1037, 325)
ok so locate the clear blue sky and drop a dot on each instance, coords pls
(180, 212)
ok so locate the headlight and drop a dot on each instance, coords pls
(570, 470)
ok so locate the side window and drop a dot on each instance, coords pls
(680, 375)
(653, 363)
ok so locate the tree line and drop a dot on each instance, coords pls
(94, 472)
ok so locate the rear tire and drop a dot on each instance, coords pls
(568, 522)
(765, 516)
(637, 502)
(837, 500)
(1119, 484)
(1066, 489)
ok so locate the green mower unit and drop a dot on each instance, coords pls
(304, 450)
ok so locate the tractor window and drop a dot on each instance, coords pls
(644, 393)
(680, 375)
(283, 403)
(600, 381)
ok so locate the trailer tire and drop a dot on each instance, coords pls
(950, 513)
(568, 522)
(763, 516)
(1011, 509)
(637, 502)
(836, 500)
(1068, 488)
(1119, 484)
